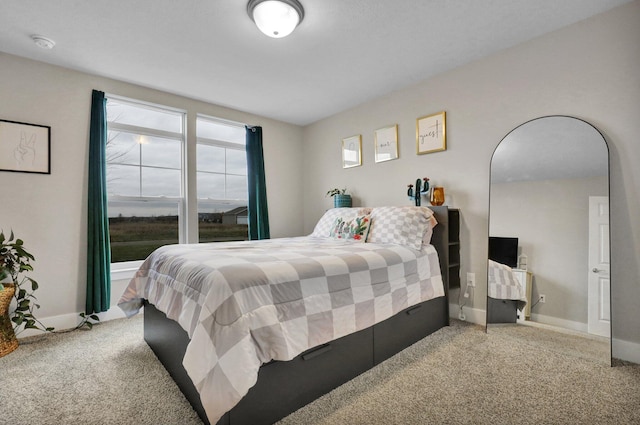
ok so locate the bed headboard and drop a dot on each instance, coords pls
(440, 240)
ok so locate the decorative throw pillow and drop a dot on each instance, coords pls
(326, 222)
(405, 225)
(356, 228)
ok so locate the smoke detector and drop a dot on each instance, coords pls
(43, 42)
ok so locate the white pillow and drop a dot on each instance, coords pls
(328, 219)
(406, 225)
(426, 238)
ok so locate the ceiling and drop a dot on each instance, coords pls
(344, 53)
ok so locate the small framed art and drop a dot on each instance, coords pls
(431, 133)
(386, 140)
(352, 151)
(25, 147)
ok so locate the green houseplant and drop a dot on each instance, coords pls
(15, 261)
(340, 197)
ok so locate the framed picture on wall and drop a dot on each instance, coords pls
(431, 133)
(386, 140)
(352, 151)
(25, 148)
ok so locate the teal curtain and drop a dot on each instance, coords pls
(258, 214)
(98, 250)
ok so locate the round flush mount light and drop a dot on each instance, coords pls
(276, 18)
(43, 42)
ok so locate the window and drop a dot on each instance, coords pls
(144, 155)
(147, 200)
(221, 180)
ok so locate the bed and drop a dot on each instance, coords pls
(505, 294)
(251, 331)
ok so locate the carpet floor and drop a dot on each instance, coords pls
(458, 375)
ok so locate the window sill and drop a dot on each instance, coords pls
(125, 270)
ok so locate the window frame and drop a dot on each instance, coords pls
(221, 144)
(126, 269)
(226, 145)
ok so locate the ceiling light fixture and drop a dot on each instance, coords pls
(43, 42)
(276, 18)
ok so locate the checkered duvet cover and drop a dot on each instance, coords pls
(247, 303)
(503, 285)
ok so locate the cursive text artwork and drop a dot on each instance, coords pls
(430, 135)
(386, 140)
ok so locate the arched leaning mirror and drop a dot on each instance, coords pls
(548, 267)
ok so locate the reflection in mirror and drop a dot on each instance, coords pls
(548, 271)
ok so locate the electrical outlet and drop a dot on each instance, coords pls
(471, 280)
(543, 298)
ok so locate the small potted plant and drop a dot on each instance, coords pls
(340, 198)
(14, 262)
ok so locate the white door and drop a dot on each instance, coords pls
(599, 295)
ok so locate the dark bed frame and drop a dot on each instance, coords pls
(285, 386)
(502, 311)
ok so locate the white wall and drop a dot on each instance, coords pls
(550, 218)
(588, 70)
(49, 211)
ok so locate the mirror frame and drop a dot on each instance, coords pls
(608, 152)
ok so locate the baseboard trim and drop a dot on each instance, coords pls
(472, 315)
(70, 321)
(625, 350)
(560, 323)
